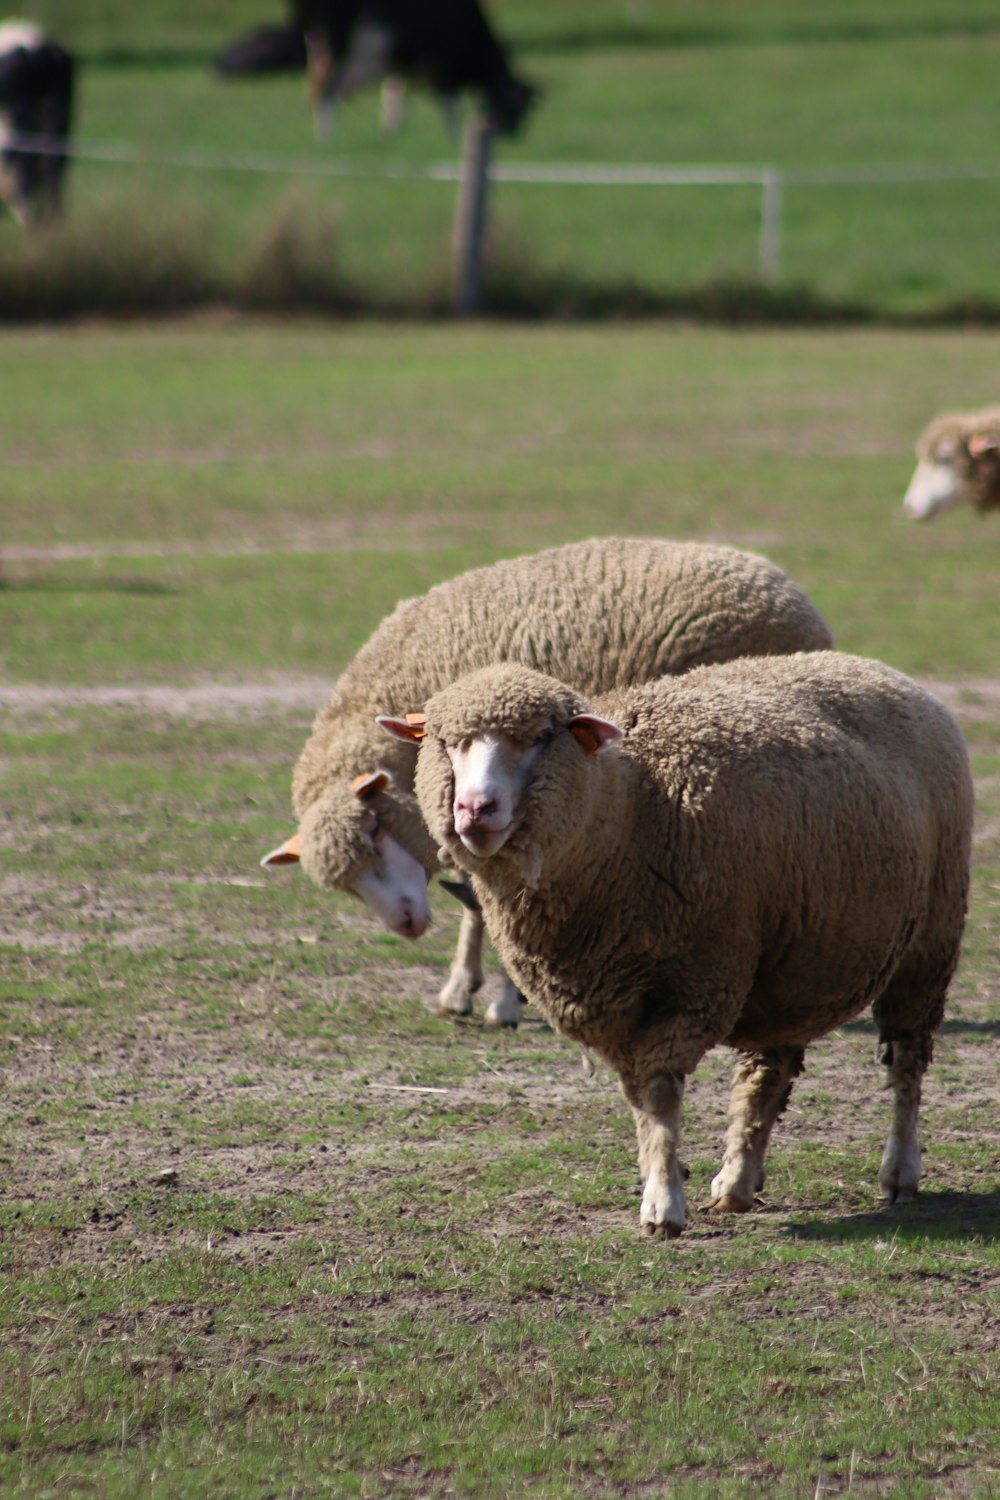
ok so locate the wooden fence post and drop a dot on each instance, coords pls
(773, 191)
(470, 217)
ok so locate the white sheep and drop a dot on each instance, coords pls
(958, 462)
(750, 854)
(601, 613)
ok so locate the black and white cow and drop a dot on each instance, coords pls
(447, 45)
(36, 102)
(264, 49)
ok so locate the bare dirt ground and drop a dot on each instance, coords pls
(146, 918)
(136, 1083)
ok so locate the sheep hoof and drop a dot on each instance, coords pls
(663, 1231)
(892, 1193)
(498, 1023)
(452, 1010)
(731, 1203)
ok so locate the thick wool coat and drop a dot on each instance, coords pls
(601, 614)
(775, 845)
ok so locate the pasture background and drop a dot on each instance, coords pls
(392, 1254)
(267, 1227)
(900, 84)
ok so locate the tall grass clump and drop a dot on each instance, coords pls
(295, 266)
(115, 257)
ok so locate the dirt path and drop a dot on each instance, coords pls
(975, 701)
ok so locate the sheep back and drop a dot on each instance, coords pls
(599, 614)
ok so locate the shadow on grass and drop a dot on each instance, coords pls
(639, 33)
(945, 1216)
(954, 1026)
(650, 32)
(124, 259)
(139, 586)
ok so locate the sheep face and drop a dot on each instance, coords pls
(358, 839)
(499, 745)
(489, 774)
(958, 460)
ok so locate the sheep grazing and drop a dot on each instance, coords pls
(603, 613)
(958, 462)
(36, 103)
(749, 854)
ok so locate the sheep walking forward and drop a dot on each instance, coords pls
(749, 854)
(602, 613)
(958, 463)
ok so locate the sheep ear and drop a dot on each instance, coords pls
(981, 443)
(412, 728)
(370, 782)
(594, 734)
(288, 853)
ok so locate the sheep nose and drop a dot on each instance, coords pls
(408, 926)
(474, 809)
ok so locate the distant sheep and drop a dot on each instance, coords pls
(958, 462)
(603, 613)
(36, 101)
(750, 854)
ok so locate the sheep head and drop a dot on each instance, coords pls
(364, 837)
(503, 755)
(958, 460)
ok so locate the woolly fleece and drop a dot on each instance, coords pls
(774, 846)
(600, 613)
(979, 474)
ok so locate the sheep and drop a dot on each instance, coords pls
(958, 461)
(603, 613)
(774, 845)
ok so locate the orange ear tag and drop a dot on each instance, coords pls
(418, 723)
(288, 853)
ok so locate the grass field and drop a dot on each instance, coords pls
(896, 84)
(269, 1228)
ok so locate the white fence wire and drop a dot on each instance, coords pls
(772, 181)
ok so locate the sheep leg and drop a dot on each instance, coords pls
(762, 1084)
(506, 1008)
(899, 1173)
(657, 1110)
(466, 974)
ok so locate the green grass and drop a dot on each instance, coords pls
(893, 84)
(267, 1227)
(359, 461)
